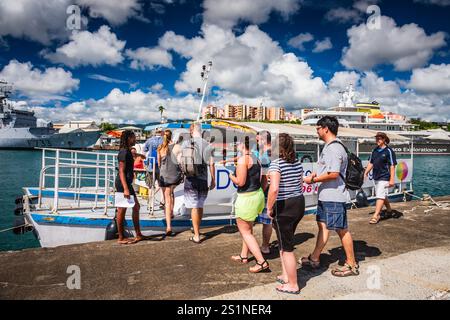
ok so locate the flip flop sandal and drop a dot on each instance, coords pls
(281, 281)
(345, 271)
(170, 234)
(240, 259)
(134, 241)
(375, 220)
(194, 241)
(308, 262)
(288, 291)
(263, 267)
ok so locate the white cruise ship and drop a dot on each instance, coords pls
(360, 115)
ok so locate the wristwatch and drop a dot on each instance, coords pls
(312, 180)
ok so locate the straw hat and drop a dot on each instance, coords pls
(383, 136)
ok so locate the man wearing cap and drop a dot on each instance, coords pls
(382, 162)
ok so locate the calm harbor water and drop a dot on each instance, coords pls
(21, 168)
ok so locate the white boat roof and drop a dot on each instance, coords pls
(304, 132)
(333, 112)
(438, 135)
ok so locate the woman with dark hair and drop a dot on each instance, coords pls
(249, 204)
(169, 177)
(286, 205)
(124, 184)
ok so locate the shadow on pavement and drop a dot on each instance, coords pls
(299, 238)
(362, 251)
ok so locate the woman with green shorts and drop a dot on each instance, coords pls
(249, 204)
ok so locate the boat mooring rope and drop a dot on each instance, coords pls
(12, 228)
(444, 205)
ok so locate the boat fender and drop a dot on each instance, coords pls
(18, 211)
(20, 226)
(361, 199)
(111, 230)
(19, 200)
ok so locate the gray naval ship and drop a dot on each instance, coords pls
(19, 129)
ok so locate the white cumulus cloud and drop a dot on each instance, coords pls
(123, 107)
(39, 85)
(89, 48)
(299, 40)
(433, 79)
(405, 47)
(227, 13)
(41, 21)
(149, 58)
(355, 14)
(342, 79)
(45, 21)
(322, 45)
(116, 12)
(251, 65)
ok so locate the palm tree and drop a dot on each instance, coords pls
(161, 110)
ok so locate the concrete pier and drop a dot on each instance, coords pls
(404, 258)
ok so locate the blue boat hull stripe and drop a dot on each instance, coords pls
(55, 219)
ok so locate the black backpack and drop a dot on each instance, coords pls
(354, 176)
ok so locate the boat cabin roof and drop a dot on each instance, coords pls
(175, 125)
(307, 133)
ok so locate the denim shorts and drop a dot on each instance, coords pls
(334, 214)
(264, 217)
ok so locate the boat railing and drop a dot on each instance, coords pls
(77, 172)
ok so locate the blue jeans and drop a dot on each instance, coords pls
(333, 214)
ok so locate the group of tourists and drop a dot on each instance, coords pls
(269, 180)
(165, 158)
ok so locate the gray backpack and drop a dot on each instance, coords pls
(188, 164)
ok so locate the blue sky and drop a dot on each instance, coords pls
(130, 56)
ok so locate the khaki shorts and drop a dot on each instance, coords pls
(381, 189)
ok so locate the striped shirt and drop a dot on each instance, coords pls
(291, 178)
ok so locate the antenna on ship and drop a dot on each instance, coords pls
(205, 76)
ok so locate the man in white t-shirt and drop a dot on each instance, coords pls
(333, 198)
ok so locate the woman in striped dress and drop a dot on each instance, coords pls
(286, 206)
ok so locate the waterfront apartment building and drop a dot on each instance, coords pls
(246, 112)
(210, 111)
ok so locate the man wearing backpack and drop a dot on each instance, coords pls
(333, 196)
(195, 157)
(382, 162)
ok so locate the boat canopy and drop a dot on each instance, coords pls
(307, 133)
(439, 135)
(175, 125)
